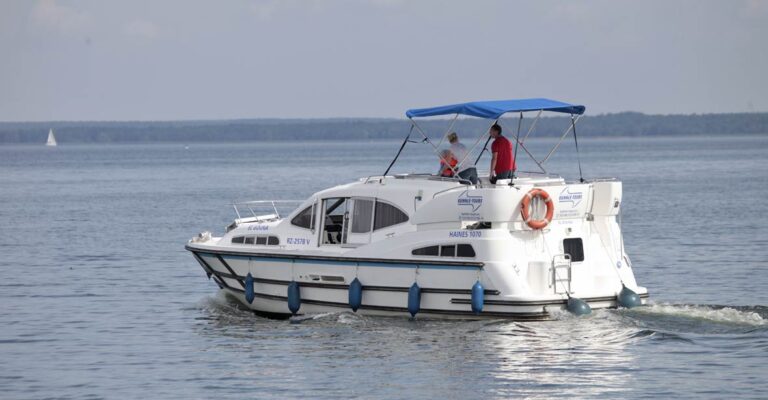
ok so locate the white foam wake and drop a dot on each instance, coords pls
(726, 315)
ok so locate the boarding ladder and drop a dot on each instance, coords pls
(561, 273)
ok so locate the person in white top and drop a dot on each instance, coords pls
(466, 170)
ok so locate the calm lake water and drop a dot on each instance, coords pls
(98, 298)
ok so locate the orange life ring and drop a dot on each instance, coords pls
(525, 204)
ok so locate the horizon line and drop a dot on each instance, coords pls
(283, 119)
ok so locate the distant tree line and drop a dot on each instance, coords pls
(619, 124)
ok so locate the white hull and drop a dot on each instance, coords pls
(451, 300)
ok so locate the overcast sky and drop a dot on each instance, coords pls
(181, 59)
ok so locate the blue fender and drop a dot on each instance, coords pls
(628, 298)
(578, 306)
(414, 299)
(355, 294)
(249, 293)
(478, 297)
(294, 297)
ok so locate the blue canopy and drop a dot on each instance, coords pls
(496, 108)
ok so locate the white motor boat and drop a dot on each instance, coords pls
(522, 248)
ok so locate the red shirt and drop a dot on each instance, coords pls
(505, 161)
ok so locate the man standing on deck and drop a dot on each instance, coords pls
(503, 160)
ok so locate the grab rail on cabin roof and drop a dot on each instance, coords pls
(264, 205)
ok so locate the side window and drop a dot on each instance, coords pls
(361, 216)
(465, 250)
(575, 248)
(388, 215)
(446, 250)
(238, 239)
(426, 251)
(305, 219)
(273, 241)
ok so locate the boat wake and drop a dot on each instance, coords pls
(726, 315)
(655, 322)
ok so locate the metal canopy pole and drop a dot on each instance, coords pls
(399, 151)
(573, 124)
(578, 158)
(485, 146)
(533, 125)
(474, 146)
(436, 150)
(517, 140)
(541, 167)
(450, 127)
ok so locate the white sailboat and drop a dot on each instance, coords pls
(51, 139)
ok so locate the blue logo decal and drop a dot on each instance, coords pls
(472, 201)
(567, 197)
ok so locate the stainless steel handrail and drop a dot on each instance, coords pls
(273, 203)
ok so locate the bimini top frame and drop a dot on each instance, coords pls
(493, 110)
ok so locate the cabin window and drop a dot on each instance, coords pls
(249, 239)
(448, 251)
(388, 215)
(426, 251)
(261, 240)
(305, 219)
(238, 239)
(465, 250)
(362, 216)
(574, 247)
(273, 241)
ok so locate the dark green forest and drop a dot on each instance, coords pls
(619, 124)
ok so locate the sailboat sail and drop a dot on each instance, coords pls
(51, 139)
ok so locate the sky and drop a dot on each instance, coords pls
(188, 59)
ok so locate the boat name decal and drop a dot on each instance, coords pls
(299, 241)
(472, 201)
(465, 234)
(258, 228)
(567, 197)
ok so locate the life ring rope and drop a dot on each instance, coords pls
(528, 215)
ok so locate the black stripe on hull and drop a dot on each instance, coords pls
(475, 264)
(231, 271)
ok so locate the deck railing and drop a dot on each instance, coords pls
(262, 208)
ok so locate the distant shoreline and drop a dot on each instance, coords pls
(628, 124)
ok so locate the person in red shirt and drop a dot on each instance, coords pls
(503, 160)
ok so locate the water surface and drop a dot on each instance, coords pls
(99, 299)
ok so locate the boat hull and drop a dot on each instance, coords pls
(324, 287)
